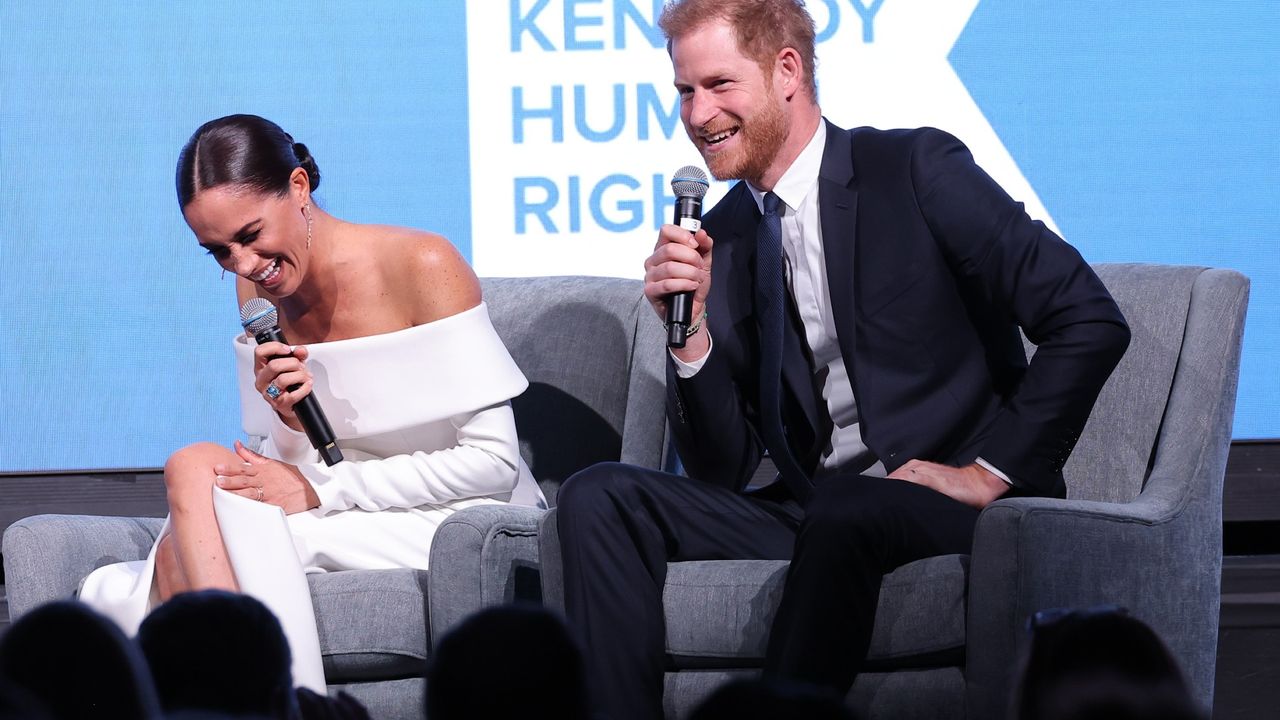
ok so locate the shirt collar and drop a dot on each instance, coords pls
(800, 178)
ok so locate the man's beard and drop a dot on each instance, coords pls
(759, 140)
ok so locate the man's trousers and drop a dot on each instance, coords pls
(620, 525)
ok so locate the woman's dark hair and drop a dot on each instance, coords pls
(243, 150)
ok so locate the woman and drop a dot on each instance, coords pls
(393, 340)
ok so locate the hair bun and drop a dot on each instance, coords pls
(308, 163)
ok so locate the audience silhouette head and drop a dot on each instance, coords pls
(220, 652)
(548, 684)
(63, 660)
(1098, 663)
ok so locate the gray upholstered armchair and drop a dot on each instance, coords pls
(592, 351)
(1142, 527)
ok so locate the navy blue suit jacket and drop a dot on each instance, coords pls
(932, 269)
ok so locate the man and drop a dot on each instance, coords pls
(860, 322)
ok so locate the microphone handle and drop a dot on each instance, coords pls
(679, 311)
(314, 423)
(688, 215)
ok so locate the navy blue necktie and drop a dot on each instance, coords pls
(771, 308)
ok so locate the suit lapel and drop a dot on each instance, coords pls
(838, 209)
(737, 252)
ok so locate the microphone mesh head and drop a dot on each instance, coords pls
(257, 315)
(690, 181)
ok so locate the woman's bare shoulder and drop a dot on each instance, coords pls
(428, 272)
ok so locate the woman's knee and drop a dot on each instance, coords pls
(196, 455)
(191, 468)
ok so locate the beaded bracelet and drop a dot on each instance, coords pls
(694, 328)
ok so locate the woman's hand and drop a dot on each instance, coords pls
(266, 480)
(277, 368)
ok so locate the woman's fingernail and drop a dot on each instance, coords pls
(221, 481)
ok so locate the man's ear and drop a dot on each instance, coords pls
(789, 70)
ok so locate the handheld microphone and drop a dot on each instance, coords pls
(259, 318)
(690, 186)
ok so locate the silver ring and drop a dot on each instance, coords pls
(273, 391)
(260, 493)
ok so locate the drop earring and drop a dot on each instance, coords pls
(306, 210)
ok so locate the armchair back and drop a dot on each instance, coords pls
(592, 351)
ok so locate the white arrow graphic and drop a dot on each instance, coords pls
(902, 78)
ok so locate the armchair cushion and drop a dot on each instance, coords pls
(372, 623)
(719, 612)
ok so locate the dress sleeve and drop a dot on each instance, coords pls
(288, 445)
(453, 373)
(484, 463)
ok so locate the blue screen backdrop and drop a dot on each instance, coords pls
(1152, 132)
(116, 327)
(1149, 131)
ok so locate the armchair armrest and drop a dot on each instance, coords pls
(551, 561)
(482, 556)
(1151, 556)
(46, 556)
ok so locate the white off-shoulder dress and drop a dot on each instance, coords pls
(424, 422)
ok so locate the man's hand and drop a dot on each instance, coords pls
(972, 484)
(681, 262)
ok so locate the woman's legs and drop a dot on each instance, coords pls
(169, 577)
(192, 556)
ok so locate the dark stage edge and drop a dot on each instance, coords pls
(1248, 669)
